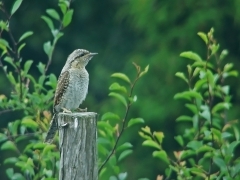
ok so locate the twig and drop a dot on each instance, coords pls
(123, 126)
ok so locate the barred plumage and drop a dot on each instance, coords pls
(72, 87)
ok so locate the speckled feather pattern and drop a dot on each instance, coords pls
(72, 87)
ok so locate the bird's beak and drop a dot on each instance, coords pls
(93, 54)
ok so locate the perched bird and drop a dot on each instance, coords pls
(72, 87)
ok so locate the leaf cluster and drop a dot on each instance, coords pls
(29, 157)
(207, 147)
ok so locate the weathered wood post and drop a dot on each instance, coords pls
(78, 146)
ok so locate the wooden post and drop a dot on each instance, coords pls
(78, 146)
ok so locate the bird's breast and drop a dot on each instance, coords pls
(77, 89)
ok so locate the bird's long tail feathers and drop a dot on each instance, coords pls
(52, 130)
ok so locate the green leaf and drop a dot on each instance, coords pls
(188, 95)
(63, 6)
(4, 44)
(187, 154)
(27, 66)
(47, 48)
(233, 73)
(199, 172)
(184, 118)
(225, 89)
(11, 78)
(39, 145)
(195, 145)
(144, 72)
(134, 121)
(182, 95)
(25, 35)
(21, 47)
(232, 146)
(105, 125)
(110, 116)
(217, 134)
(226, 135)
(122, 176)
(15, 7)
(67, 18)
(52, 81)
(113, 178)
(206, 114)
(192, 108)
(9, 172)
(202, 64)
(228, 67)
(161, 155)
(41, 67)
(53, 13)
(159, 136)
(116, 87)
(179, 139)
(191, 55)
(113, 160)
(4, 25)
(146, 129)
(14, 126)
(189, 67)
(124, 154)
(221, 106)
(200, 84)
(9, 145)
(204, 37)
(121, 76)
(151, 143)
(124, 146)
(28, 122)
(10, 61)
(18, 176)
(49, 22)
(205, 148)
(10, 160)
(196, 71)
(3, 137)
(214, 48)
(119, 97)
(144, 136)
(182, 76)
(220, 163)
(223, 54)
(48, 148)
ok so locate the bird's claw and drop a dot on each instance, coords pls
(66, 110)
(81, 110)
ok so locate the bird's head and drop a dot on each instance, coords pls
(79, 58)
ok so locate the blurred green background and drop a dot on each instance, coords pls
(150, 32)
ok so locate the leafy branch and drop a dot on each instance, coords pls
(127, 104)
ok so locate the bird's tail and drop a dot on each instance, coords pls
(52, 130)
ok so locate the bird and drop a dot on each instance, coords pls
(72, 87)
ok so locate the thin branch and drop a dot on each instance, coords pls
(123, 125)
(6, 110)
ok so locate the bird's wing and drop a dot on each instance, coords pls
(61, 87)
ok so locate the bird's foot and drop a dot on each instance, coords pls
(66, 110)
(81, 110)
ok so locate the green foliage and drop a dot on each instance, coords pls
(35, 159)
(149, 33)
(111, 127)
(208, 145)
(30, 158)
